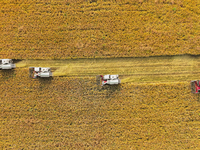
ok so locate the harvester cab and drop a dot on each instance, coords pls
(195, 86)
(7, 64)
(35, 72)
(109, 80)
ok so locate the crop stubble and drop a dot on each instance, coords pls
(137, 70)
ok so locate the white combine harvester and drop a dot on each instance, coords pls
(35, 72)
(7, 64)
(109, 80)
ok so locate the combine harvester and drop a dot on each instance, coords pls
(35, 72)
(195, 86)
(108, 80)
(7, 64)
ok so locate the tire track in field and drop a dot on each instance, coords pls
(152, 69)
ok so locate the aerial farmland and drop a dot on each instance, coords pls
(151, 45)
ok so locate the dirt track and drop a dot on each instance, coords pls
(137, 70)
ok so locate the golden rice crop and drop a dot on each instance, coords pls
(98, 28)
(73, 113)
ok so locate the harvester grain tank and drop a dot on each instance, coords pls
(35, 72)
(7, 64)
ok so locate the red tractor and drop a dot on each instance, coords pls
(195, 86)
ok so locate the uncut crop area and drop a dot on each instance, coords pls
(44, 29)
(74, 113)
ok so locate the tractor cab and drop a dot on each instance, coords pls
(195, 86)
(37, 69)
(7, 64)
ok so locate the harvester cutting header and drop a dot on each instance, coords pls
(195, 86)
(35, 72)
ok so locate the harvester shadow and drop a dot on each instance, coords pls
(110, 90)
(198, 99)
(6, 74)
(16, 60)
(45, 82)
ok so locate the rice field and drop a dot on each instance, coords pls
(72, 112)
(152, 108)
(98, 28)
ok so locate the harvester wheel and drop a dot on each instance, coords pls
(31, 72)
